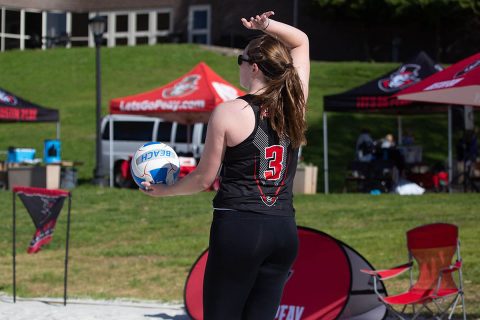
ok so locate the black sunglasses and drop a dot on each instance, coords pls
(241, 58)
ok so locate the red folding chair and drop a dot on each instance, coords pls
(433, 247)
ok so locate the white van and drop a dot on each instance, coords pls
(131, 131)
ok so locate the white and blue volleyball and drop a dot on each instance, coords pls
(155, 162)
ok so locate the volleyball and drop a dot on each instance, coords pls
(155, 162)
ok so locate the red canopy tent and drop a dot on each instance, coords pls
(188, 99)
(457, 84)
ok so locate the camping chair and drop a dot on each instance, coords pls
(433, 247)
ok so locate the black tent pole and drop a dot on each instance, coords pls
(14, 251)
(66, 251)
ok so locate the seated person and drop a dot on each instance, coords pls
(467, 154)
(387, 142)
(364, 147)
(389, 151)
(440, 177)
(385, 147)
(467, 147)
(408, 139)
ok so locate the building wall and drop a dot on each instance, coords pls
(23, 28)
(329, 40)
(87, 5)
(229, 31)
(224, 29)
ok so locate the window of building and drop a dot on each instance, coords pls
(11, 33)
(121, 23)
(139, 27)
(47, 29)
(12, 43)
(121, 41)
(141, 33)
(163, 21)
(164, 27)
(199, 38)
(141, 40)
(120, 29)
(200, 19)
(33, 30)
(142, 22)
(56, 23)
(1, 28)
(199, 24)
(12, 22)
(80, 29)
(57, 35)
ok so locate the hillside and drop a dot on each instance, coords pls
(65, 79)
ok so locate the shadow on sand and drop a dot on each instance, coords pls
(164, 316)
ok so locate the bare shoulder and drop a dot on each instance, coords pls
(229, 109)
(236, 104)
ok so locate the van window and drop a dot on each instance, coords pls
(181, 134)
(204, 133)
(129, 130)
(164, 131)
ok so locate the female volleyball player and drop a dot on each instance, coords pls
(254, 140)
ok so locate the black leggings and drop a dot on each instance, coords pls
(249, 259)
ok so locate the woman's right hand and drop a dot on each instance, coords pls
(259, 22)
(153, 190)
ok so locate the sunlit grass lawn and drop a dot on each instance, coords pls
(65, 79)
(124, 244)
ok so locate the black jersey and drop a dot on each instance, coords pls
(257, 174)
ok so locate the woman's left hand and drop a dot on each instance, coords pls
(259, 22)
(154, 190)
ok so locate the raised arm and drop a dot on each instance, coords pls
(292, 37)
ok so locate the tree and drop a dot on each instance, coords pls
(368, 13)
(437, 15)
(472, 4)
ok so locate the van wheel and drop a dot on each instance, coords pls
(120, 179)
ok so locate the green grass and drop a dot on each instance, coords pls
(143, 248)
(124, 244)
(65, 79)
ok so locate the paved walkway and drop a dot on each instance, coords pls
(53, 309)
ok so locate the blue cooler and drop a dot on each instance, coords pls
(51, 151)
(16, 155)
